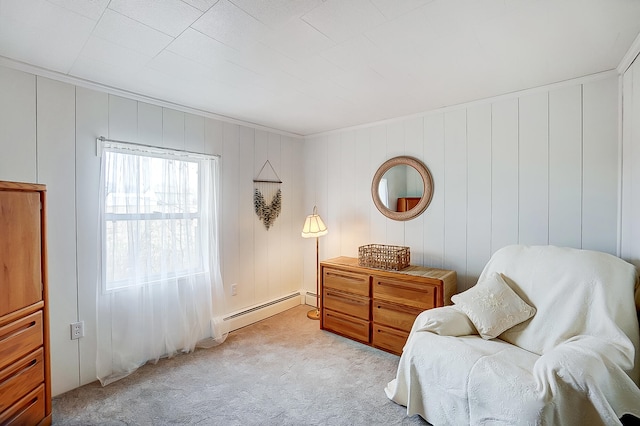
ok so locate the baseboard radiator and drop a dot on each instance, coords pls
(265, 310)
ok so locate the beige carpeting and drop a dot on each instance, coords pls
(281, 371)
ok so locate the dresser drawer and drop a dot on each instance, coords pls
(20, 337)
(389, 339)
(350, 282)
(354, 328)
(21, 377)
(396, 316)
(417, 295)
(355, 306)
(30, 410)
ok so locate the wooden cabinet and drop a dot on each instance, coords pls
(25, 390)
(378, 307)
(405, 204)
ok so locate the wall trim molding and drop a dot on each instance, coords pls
(630, 56)
(578, 80)
(252, 314)
(88, 84)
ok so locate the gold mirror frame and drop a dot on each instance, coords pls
(427, 192)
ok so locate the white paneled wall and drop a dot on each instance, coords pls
(538, 167)
(48, 132)
(630, 229)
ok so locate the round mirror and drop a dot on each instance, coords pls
(402, 188)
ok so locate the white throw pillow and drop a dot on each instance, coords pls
(492, 306)
(445, 321)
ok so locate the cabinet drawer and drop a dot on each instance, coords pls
(389, 339)
(20, 378)
(28, 411)
(355, 306)
(20, 337)
(348, 326)
(418, 295)
(350, 282)
(396, 316)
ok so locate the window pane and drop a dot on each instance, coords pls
(141, 184)
(152, 226)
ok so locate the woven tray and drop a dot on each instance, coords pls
(381, 256)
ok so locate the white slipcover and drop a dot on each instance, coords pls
(575, 362)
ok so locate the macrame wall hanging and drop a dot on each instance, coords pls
(267, 187)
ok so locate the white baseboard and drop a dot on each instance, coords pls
(257, 313)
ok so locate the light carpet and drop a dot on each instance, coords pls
(280, 371)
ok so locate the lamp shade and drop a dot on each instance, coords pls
(314, 226)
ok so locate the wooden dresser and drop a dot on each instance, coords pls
(378, 307)
(25, 383)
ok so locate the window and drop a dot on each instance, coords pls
(160, 267)
(152, 218)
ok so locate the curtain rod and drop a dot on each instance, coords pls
(102, 139)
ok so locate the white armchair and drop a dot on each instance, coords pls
(566, 351)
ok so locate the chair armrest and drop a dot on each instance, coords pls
(593, 367)
(445, 321)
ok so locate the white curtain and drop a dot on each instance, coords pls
(159, 286)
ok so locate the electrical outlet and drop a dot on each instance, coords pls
(77, 330)
(234, 289)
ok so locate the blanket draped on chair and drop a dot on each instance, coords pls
(575, 362)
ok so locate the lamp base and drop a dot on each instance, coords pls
(313, 314)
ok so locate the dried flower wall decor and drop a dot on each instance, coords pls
(267, 189)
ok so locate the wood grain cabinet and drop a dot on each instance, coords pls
(25, 390)
(378, 307)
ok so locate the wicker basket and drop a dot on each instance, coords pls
(382, 256)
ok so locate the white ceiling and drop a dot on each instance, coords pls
(307, 66)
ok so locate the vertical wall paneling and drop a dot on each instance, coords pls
(628, 154)
(631, 161)
(600, 165)
(504, 173)
(533, 166)
(194, 133)
(149, 124)
(455, 188)
(274, 235)
(395, 147)
(123, 119)
(213, 139)
(17, 126)
(395, 139)
(173, 129)
(322, 201)
(247, 224)
(92, 112)
(378, 155)
(313, 183)
(634, 160)
(56, 169)
(362, 180)
(565, 166)
(434, 215)
(334, 197)
(478, 190)
(348, 226)
(291, 274)
(230, 254)
(261, 238)
(414, 229)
